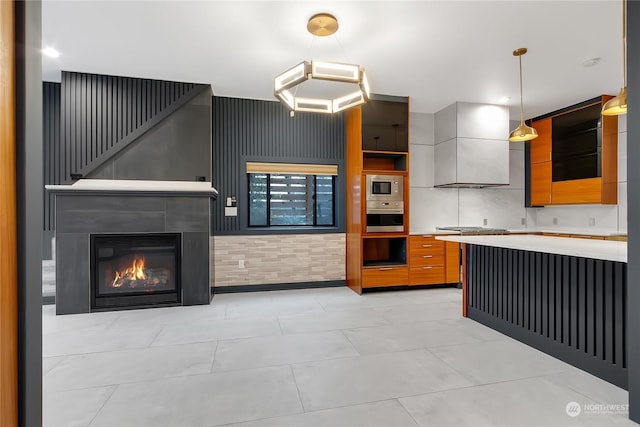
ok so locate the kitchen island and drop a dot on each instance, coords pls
(563, 296)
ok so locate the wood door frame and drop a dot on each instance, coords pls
(8, 227)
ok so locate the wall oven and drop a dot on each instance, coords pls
(385, 203)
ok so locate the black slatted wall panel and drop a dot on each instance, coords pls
(572, 308)
(101, 115)
(51, 146)
(251, 130)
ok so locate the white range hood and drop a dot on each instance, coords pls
(471, 146)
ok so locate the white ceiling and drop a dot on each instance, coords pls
(436, 52)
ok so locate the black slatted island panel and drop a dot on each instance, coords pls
(569, 307)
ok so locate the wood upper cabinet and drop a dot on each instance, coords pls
(385, 126)
(541, 146)
(574, 160)
(540, 183)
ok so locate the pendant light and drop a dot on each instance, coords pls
(618, 105)
(322, 25)
(522, 132)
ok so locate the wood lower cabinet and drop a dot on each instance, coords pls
(583, 236)
(452, 262)
(376, 277)
(557, 234)
(619, 238)
(432, 261)
(427, 275)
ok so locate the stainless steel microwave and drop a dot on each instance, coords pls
(384, 188)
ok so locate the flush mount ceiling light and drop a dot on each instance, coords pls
(618, 105)
(522, 132)
(322, 24)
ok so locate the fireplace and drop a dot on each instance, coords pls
(135, 270)
(101, 225)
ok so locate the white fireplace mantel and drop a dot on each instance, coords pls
(111, 185)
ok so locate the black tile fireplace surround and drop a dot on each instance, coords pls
(83, 214)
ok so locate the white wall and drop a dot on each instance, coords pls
(502, 207)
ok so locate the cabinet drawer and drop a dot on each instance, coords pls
(426, 260)
(425, 244)
(385, 276)
(426, 275)
(585, 236)
(426, 249)
(424, 238)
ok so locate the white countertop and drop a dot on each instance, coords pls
(598, 249)
(135, 185)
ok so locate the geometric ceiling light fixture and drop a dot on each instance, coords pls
(522, 132)
(322, 24)
(618, 105)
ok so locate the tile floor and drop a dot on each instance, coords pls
(317, 357)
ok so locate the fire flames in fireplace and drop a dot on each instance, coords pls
(137, 276)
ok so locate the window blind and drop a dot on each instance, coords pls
(292, 168)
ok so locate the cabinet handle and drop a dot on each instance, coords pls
(427, 246)
(385, 268)
(427, 256)
(427, 267)
(427, 235)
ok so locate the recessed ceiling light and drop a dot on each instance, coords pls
(504, 100)
(590, 62)
(50, 52)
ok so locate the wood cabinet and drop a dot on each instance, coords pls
(620, 238)
(377, 143)
(577, 191)
(433, 261)
(540, 178)
(574, 159)
(556, 234)
(541, 146)
(385, 125)
(452, 262)
(384, 277)
(540, 183)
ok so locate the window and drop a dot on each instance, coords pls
(294, 197)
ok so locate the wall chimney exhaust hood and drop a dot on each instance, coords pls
(471, 146)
